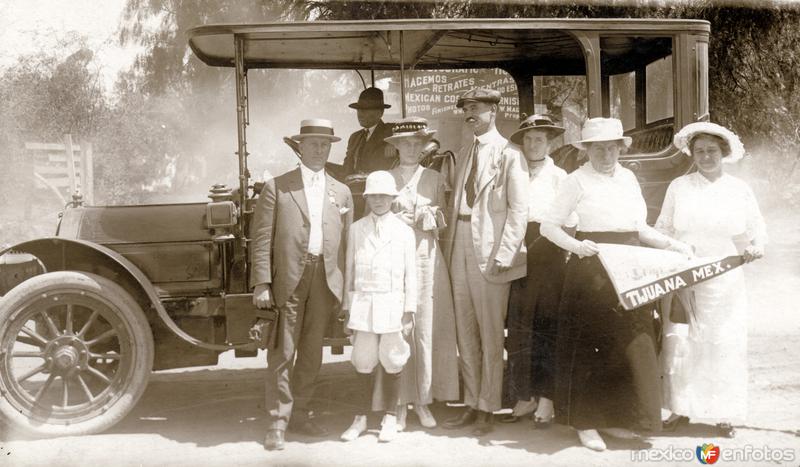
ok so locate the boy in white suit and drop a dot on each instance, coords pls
(380, 298)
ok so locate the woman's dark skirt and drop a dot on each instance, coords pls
(532, 321)
(607, 375)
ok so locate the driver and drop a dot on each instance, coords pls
(366, 149)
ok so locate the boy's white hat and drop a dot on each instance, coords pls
(380, 182)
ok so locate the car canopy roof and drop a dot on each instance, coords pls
(427, 44)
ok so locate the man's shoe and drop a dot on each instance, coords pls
(308, 427)
(484, 424)
(274, 440)
(466, 418)
(673, 422)
(725, 430)
(388, 429)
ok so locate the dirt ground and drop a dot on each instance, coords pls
(213, 415)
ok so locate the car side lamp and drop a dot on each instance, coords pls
(221, 212)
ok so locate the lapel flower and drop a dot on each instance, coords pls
(332, 198)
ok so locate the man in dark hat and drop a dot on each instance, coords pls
(366, 148)
(298, 243)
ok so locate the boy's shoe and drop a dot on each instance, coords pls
(402, 414)
(388, 428)
(359, 426)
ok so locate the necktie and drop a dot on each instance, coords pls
(469, 186)
(362, 141)
(315, 180)
(377, 226)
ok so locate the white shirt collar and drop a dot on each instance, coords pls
(308, 174)
(490, 136)
(382, 218)
(371, 129)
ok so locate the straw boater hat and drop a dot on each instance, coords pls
(370, 98)
(686, 134)
(380, 182)
(411, 127)
(489, 96)
(316, 127)
(536, 122)
(602, 129)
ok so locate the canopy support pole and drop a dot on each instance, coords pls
(241, 124)
(242, 120)
(402, 78)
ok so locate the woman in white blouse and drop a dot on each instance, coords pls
(533, 300)
(607, 375)
(713, 212)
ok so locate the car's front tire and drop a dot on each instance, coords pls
(76, 352)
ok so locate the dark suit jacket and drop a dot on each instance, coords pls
(280, 231)
(370, 154)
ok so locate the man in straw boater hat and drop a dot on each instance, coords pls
(298, 235)
(485, 251)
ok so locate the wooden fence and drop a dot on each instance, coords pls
(63, 168)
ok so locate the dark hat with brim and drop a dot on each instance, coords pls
(536, 122)
(318, 127)
(489, 96)
(370, 98)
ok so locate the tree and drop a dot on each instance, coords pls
(42, 98)
(166, 62)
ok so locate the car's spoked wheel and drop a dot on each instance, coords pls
(75, 357)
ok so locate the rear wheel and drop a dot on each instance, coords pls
(76, 353)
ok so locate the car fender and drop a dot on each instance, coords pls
(63, 254)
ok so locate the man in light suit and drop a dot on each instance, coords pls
(484, 248)
(298, 233)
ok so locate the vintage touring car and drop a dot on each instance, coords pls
(120, 291)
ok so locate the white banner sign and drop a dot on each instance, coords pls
(643, 275)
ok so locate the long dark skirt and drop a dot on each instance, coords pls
(532, 321)
(607, 375)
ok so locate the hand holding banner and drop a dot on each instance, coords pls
(643, 275)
